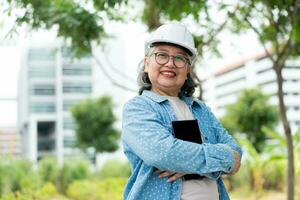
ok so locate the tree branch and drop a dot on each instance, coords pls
(122, 86)
(259, 35)
(212, 36)
(117, 71)
(275, 25)
(287, 49)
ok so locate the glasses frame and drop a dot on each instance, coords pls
(187, 61)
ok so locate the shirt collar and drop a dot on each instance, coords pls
(159, 99)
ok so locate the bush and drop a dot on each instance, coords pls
(274, 174)
(111, 188)
(47, 192)
(114, 168)
(48, 170)
(17, 175)
(242, 179)
(75, 169)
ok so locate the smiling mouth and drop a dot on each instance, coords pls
(168, 74)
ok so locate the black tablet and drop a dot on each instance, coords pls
(187, 130)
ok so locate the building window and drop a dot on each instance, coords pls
(85, 88)
(243, 78)
(264, 70)
(235, 93)
(41, 54)
(41, 72)
(43, 89)
(69, 142)
(42, 107)
(268, 82)
(77, 70)
(69, 123)
(68, 105)
(292, 67)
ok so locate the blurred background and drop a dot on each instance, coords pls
(67, 67)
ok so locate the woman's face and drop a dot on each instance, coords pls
(166, 79)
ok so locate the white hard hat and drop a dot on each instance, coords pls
(174, 33)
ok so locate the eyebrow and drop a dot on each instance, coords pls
(166, 50)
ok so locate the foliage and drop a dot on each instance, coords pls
(278, 22)
(114, 168)
(266, 170)
(277, 146)
(80, 24)
(255, 165)
(71, 171)
(95, 124)
(279, 32)
(250, 112)
(274, 173)
(74, 178)
(47, 192)
(48, 170)
(17, 174)
(111, 188)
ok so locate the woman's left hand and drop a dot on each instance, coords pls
(173, 176)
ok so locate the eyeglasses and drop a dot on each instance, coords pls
(163, 58)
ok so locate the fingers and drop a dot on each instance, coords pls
(173, 176)
(166, 174)
(237, 164)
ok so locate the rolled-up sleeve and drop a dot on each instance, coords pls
(147, 137)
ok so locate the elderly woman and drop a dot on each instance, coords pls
(160, 162)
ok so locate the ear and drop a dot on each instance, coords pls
(146, 63)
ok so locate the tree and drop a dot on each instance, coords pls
(275, 22)
(95, 124)
(80, 24)
(249, 114)
(277, 26)
(71, 19)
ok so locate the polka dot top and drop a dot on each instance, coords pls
(149, 144)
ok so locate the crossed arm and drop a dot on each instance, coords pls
(151, 141)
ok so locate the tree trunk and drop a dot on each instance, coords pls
(287, 131)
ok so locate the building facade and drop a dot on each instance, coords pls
(10, 144)
(50, 83)
(223, 86)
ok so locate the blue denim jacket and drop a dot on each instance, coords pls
(149, 144)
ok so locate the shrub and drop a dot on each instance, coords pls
(17, 175)
(242, 179)
(111, 188)
(114, 168)
(75, 169)
(48, 170)
(47, 192)
(274, 174)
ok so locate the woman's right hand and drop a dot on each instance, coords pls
(173, 176)
(237, 164)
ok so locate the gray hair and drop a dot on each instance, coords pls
(144, 82)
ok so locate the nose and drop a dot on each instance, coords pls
(170, 62)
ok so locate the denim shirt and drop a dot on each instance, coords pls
(149, 144)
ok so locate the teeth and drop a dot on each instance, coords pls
(168, 73)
